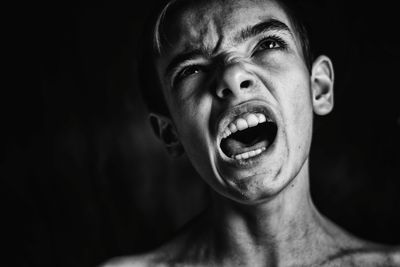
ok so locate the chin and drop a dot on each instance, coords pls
(259, 179)
(256, 188)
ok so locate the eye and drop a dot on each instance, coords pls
(187, 71)
(270, 43)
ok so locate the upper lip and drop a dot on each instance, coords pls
(256, 106)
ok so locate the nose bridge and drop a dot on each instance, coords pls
(234, 77)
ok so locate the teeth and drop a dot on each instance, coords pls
(261, 118)
(241, 124)
(244, 122)
(252, 120)
(226, 133)
(232, 128)
(249, 154)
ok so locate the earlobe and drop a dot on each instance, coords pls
(322, 78)
(166, 132)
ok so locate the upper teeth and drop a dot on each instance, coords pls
(245, 121)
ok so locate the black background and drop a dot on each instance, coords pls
(83, 177)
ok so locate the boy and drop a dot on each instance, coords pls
(239, 91)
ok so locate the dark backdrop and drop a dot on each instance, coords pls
(84, 179)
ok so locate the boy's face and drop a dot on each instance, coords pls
(238, 64)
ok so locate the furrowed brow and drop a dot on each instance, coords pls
(265, 26)
(243, 35)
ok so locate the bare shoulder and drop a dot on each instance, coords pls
(381, 256)
(347, 249)
(171, 253)
(131, 261)
(149, 259)
(375, 255)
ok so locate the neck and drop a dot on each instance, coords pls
(279, 231)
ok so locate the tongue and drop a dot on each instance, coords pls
(234, 147)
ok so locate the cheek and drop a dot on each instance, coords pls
(301, 101)
(294, 97)
(192, 122)
(300, 121)
(302, 113)
(190, 105)
(191, 116)
(192, 88)
(294, 79)
(272, 63)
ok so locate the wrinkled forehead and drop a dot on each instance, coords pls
(207, 25)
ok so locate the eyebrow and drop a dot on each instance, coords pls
(265, 26)
(245, 34)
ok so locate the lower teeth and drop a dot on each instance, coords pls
(249, 154)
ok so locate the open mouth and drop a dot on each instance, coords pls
(248, 136)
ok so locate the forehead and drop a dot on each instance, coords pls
(209, 25)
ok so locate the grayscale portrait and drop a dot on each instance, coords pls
(206, 133)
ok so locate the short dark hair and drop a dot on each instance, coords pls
(152, 41)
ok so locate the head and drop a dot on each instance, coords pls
(237, 90)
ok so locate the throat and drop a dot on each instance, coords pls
(269, 232)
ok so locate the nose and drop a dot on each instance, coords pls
(235, 80)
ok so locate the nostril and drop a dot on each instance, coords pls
(225, 92)
(245, 84)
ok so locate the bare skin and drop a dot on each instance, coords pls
(230, 235)
(262, 213)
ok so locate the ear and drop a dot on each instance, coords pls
(322, 78)
(166, 132)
